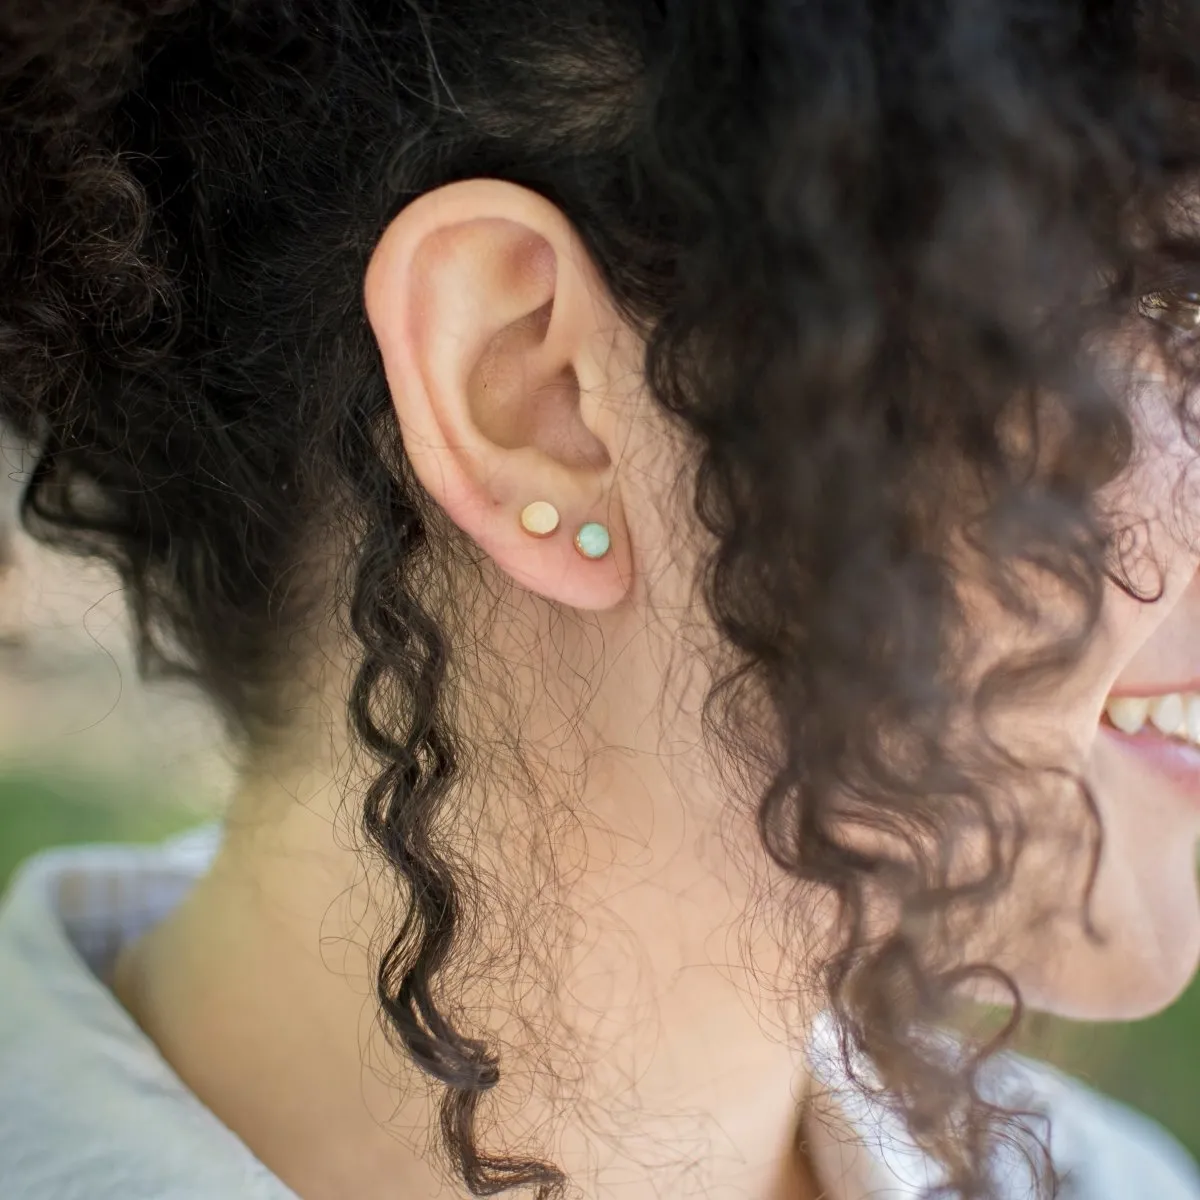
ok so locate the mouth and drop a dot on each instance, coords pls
(1163, 731)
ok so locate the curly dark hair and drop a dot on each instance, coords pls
(864, 241)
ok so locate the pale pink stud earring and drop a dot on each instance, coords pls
(539, 519)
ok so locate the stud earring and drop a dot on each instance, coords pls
(539, 519)
(592, 540)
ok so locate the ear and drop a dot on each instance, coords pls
(508, 367)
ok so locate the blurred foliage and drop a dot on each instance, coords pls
(54, 807)
(1150, 1064)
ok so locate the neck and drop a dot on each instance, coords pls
(639, 1055)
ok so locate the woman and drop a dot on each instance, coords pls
(687, 508)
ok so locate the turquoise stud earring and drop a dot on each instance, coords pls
(592, 540)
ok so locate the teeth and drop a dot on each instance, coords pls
(1174, 714)
(1128, 713)
(1167, 714)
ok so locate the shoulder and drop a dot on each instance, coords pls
(1102, 1149)
(1106, 1150)
(88, 1107)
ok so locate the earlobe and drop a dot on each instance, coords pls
(491, 323)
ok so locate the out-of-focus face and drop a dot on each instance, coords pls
(1132, 715)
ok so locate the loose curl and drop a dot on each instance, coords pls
(864, 242)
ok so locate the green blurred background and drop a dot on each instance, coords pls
(1152, 1064)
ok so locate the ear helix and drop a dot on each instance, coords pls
(541, 520)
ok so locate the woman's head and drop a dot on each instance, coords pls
(859, 327)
